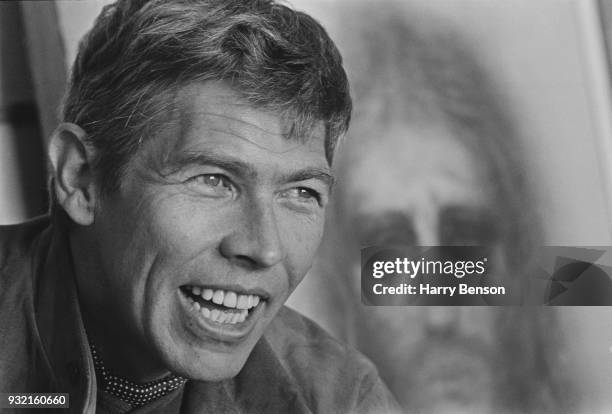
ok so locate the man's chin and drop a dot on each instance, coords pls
(197, 348)
(209, 366)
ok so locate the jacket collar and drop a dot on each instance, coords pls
(59, 321)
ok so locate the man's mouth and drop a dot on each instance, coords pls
(219, 305)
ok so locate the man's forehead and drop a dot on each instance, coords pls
(215, 104)
(211, 111)
(212, 117)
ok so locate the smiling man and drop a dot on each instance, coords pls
(190, 178)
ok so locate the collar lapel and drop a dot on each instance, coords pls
(59, 323)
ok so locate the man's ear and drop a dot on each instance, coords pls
(74, 183)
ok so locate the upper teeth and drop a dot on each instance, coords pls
(227, 298)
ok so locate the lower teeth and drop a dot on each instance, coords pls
(220, 316)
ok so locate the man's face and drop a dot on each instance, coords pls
(420, 186)
(216, 223)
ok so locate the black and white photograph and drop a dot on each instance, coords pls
(190, 189)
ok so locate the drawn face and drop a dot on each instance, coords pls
(216, 222)
(423, 187)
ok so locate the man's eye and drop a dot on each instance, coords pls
(213, 180)
(303, 195)
(212, 184)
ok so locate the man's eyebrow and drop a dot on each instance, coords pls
(234, 166)
(320, 174)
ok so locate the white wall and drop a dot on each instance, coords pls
(15, 88)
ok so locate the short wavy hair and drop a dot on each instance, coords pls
(141, 52)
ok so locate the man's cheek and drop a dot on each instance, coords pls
(184, 235)
(300, 267)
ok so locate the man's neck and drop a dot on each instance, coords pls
(120, 357)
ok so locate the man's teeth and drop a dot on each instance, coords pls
(220, 316)
(218, 297)
(228, 299)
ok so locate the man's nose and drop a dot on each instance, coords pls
(254, 241)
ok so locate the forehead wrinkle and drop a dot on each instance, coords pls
(224, 116)
(187, 121)
(257, 128)
(220, 100)
(236, 135)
